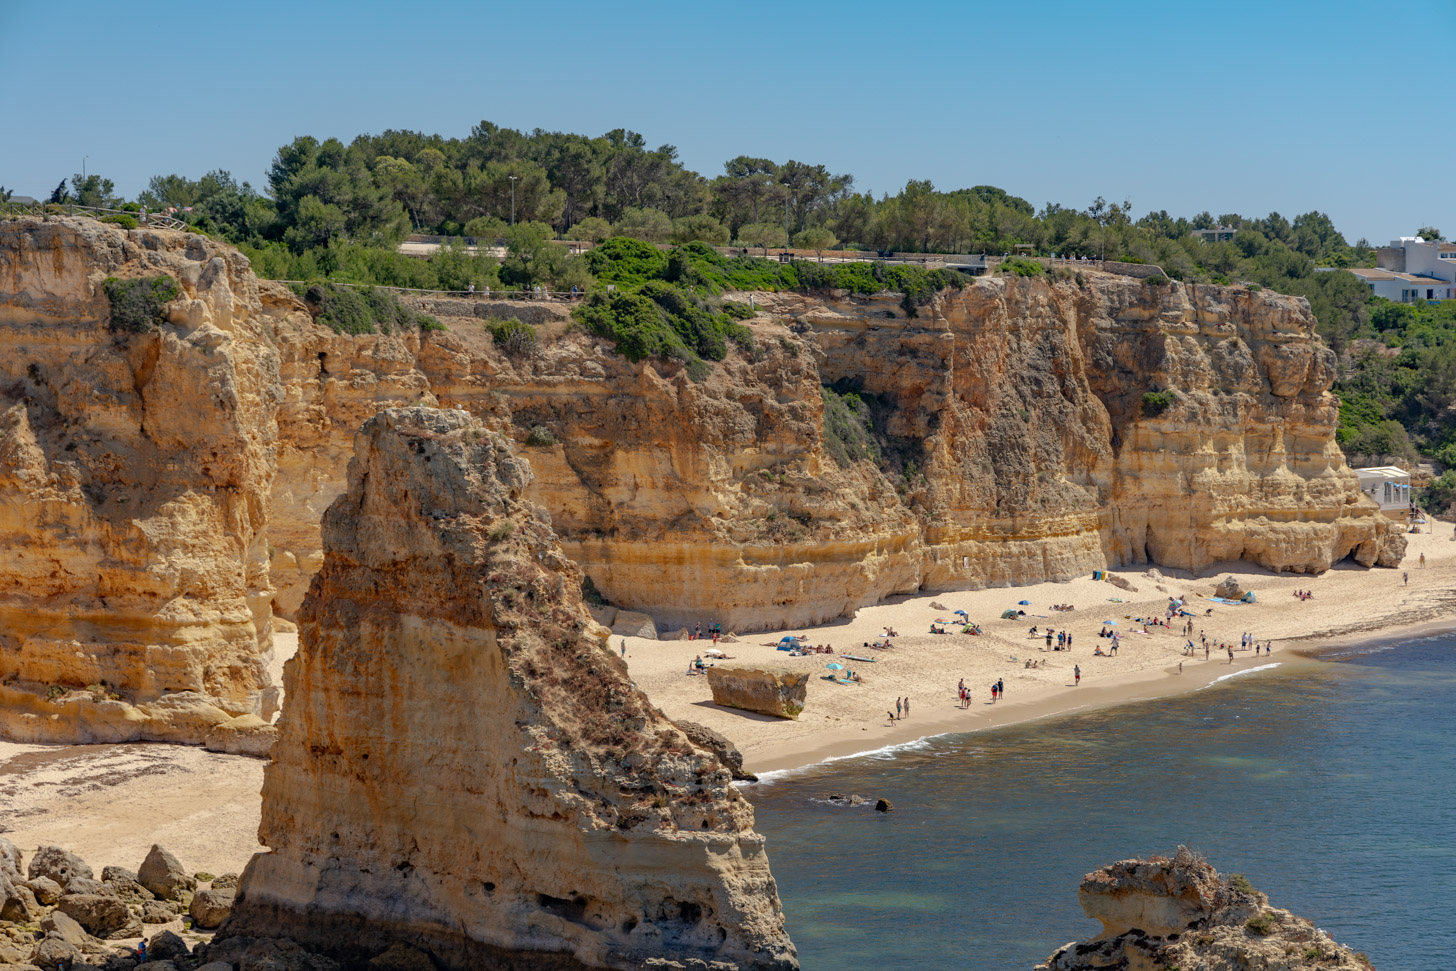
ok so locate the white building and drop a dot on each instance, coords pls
(1389, 486)
(1411, 270)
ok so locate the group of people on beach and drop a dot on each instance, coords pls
(902, 710)
(714, 629)
(1063, 638)
(1304, 594)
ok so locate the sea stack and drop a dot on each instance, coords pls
(464, 768)
(1180, 913)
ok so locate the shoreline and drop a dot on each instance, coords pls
(1351, 606)
(102, 801)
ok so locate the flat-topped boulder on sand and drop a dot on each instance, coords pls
(766, 690)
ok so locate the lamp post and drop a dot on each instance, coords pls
(513, 200)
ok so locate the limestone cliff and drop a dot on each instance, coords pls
(1179, 913)
(135, 470)
(463, 765)
(1012, 444)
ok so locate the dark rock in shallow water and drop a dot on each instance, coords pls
(884, 806)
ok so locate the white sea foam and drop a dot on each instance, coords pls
(1235, 674)
(883, 753)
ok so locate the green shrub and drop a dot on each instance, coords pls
(137, 304)
(848, 428)
(515, 338)
(1156, 280)
(1240, 883)
(1157, 402)
(1020, 266)
(121, 219)
(502, 530)
(1254, 288)
(364, 310)
(1261, 924)
(540, 436)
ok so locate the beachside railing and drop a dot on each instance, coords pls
(494, 293)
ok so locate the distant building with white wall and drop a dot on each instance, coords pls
(1389, 486)
(1411, 270)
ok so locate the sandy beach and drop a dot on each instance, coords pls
(110, 803)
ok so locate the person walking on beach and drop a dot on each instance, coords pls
(993, 692)
(1076, 674)
(907, 706)
(891, 714)
(1423, 559)
(1406, 578)
(1205, 649)
(624, 647)
(1001, 688)
(898, 709)
(1231, 653)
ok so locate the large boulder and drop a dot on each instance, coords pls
(54, 954)
(244, 735)
(60, 866)
(163, 874)
(1229, 588)
(1180, 913)
(630, 623)
(768, 691)
(46, 890)
(210, 907)
(61, 925)
(101, 916)
(166, 946)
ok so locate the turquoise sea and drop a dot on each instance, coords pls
(1329, 784)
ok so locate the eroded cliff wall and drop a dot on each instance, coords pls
(463, 764)
(135, 470)
(1012, 444)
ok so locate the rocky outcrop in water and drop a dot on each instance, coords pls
(464, 767)
(1180, 913)
(135, 470)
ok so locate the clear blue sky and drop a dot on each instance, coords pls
(1232, 107)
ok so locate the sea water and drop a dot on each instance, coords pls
(1329, 785)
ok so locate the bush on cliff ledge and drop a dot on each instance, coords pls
(361, 311)
(137, 305)
(1157, 402)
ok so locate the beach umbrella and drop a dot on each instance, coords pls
(1112, 622)
(962, 613)
(834, 666)
(1024, 603)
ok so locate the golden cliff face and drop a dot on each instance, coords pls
(134, 479)
(463, 764)
(1013, 444)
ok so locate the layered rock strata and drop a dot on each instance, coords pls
(778, 692)
(1011, 444)
(135, 471)
(464, 767)
(1180, 913)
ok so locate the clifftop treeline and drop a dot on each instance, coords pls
(331, 210)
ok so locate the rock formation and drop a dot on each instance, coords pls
(135, 469)
(1009, 442)
(464, 767)
(59, 917)
(1179, 913)
(779, 692)
(1013, 444)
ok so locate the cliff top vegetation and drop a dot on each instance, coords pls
(332, 210)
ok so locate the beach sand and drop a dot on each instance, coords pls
(110, 803)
